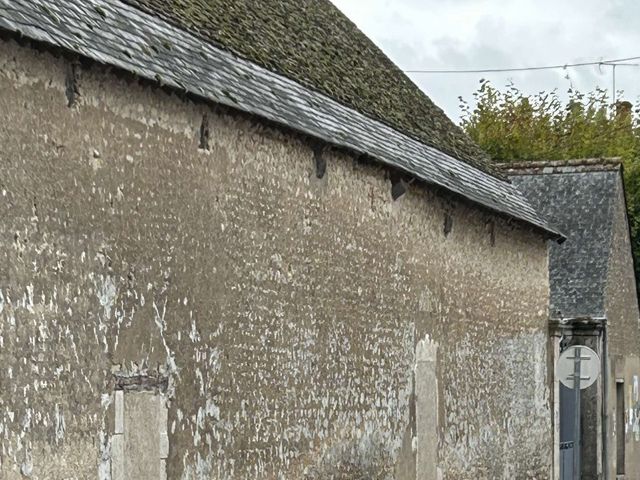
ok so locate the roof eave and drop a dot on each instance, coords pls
(202, 69)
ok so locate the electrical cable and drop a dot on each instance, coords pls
(614, 62)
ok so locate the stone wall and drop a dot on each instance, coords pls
(624, 344)
(203, 264)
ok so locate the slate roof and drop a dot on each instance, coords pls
(114, 33)
(312, 42)
(578, 198)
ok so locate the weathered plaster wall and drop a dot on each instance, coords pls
(624, 342)
(284, 310)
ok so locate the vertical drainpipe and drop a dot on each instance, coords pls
(605, 397)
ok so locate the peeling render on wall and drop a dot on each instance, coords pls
(286, 313)
(425, 441)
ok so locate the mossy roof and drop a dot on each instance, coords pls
(312, 42)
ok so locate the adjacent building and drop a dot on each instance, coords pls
(240, 244)
(594, 303)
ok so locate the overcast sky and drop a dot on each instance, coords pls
(471, 34)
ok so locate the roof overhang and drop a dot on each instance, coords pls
(586, 325)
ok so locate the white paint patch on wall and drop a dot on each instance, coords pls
(106, 292)
(426, 381)
(104, 465)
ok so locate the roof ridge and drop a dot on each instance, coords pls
(578, 165)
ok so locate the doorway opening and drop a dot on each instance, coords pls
(620, 433)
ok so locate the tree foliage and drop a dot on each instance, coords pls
(512, 126)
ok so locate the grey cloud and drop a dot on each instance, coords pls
(621, 16)
(501, 35)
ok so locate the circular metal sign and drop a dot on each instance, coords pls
(589, 366)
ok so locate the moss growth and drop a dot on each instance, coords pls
(312, 42)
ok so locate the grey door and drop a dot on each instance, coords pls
(567, 434)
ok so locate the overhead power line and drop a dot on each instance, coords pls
(614, 62)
